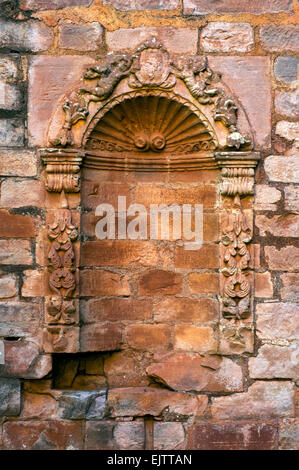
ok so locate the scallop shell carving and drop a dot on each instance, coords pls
(151, 124)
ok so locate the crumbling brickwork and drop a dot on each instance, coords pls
(132, 344)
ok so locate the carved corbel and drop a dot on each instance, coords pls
(62, 169)
(236, 296)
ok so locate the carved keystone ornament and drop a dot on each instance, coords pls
(150, 111)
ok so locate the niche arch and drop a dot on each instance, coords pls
(150, 111)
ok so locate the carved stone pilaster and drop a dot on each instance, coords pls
(236, 293)
(62, 169)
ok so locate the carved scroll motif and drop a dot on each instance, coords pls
(151, 67)
(61, 307)
(237, 172)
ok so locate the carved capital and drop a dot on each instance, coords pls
(237, 171)
(62, 169)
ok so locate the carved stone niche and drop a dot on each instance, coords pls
(150, 111)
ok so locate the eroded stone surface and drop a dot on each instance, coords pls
(263, 400)
(10, 397)
(227, 37)
(284, 169)
(274, 362)
(187, 372)
(278, 320)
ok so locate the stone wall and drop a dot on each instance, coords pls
(154, 376)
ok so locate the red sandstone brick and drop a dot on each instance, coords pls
(99, 435)
(280, 37)
(235, 72)
(22, 193)
(118, 253)
(148, 337)
(52, 4)
(8, 287)
(141, 401)
(16, 226)
(190, 371)
(100, 337)
(177, 40)
(233, 436)
(15, 252)
(169, 436)
(18, 162)
(33, 284)
(256, 7)
(23, 360)
(204, 283)
(98, 282)
(280, 168)
(159, 282)
(206, 257)
(290, 290)
(42, 435)
(38, 406)
(95, 193)
(227, 37)
(283, 259)
(100, 310)
(127, 5)
(184, 310)
(129, 435)
(149, 194)
(263, 285)
(80, 37)
(195, 338)
(126, 369)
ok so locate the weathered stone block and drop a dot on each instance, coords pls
(100, 282)
(285, 225)
(289, 434)
(17, 162)
(148, 337)
(233, 436)
(8, 287)
(23, 360)
(11, 132)
(141, 401)
(139, 5)
(263, 400)
(202, 7)
(278, 320)
(10, 397)
(15, 252)
(82, 405)
(263, 285)
(118, 253)
(52, 4)
(126, 369)
(8, 68)
(130, 435)
(159, 282)
(169, 436)
(10, 97)
(291, 198)
(15, 225)
(266, 197)
(30, 35)
(56, 74)
(177, 40)
(280, 37)
(235, 72)
(284, 169)
(290, 290)
(80, 37)
(195, 338)
(116, 310)
(227, 37)
(204, 283)
(287, 130)
(42, 435)
(99, 435)
(189, 372)
(275, 362)
(284, 259)
(207, 257)
(287, 103)
(22, 193)
(185, 310)
(100, 337)
(286, 69)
